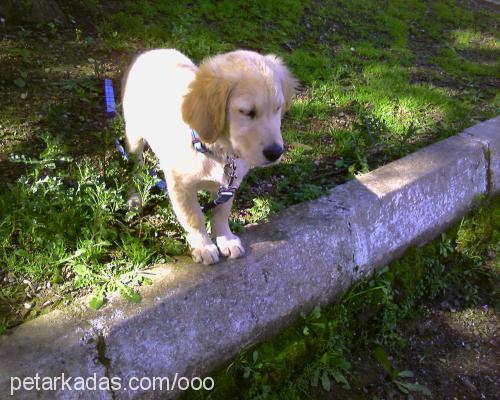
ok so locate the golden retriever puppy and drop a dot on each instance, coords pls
(234, 102)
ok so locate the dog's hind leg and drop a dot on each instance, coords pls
(135, 147)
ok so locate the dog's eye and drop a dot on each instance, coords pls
(249, 113)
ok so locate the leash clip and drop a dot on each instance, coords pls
(197, 143)
(225, 194)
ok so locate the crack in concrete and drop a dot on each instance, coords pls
(351, 237)
(104, 361)
(488, 162)
(489, 173)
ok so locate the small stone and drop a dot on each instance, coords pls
(341, 114)
(47, 303)
(28, 305)
(445, 305)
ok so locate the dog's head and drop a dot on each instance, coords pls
(241, 97)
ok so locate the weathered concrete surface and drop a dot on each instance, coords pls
(409, 201)
(488, 133)
(194, 318)
(52, 345)
(238, 303)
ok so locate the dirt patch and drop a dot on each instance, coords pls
(451, 348)
(454, 354)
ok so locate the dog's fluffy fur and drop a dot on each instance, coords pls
(235, 102)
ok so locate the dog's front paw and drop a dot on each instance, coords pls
(205, 254)
(230, 246)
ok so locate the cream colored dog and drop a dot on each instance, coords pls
(235, 103)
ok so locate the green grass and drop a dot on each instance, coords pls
(70, 225)
(380, 79)
(316, 353)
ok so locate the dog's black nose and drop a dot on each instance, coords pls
(273, 152)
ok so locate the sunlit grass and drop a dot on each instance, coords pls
(464, 39)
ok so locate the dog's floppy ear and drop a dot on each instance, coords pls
(289, 83)
(204, 106)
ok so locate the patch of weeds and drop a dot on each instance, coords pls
(479, 235)
(400, 378)
(71, 226)
(333, 365)
(260, 210)
(308, 191)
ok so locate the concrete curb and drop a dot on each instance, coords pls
(194, 318)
